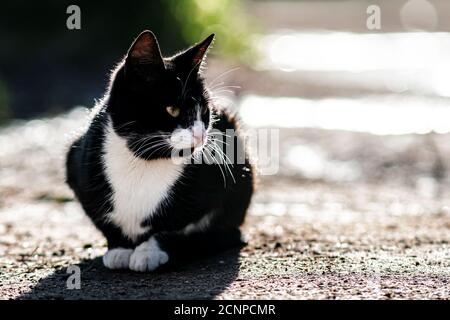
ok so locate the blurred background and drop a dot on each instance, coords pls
(364, 114)
(353, 104)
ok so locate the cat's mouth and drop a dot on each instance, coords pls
(192, 138)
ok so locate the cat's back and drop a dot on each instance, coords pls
(84, 154)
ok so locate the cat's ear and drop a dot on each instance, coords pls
(198, 51)
(193, 57)
(145, 50)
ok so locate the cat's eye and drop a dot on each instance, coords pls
(173, 111)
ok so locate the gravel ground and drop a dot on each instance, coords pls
(357, 216)
(289, 257)
(378, 236)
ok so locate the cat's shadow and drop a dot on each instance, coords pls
(204, 279)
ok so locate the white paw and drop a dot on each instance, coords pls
(148, 256)
(118, 258)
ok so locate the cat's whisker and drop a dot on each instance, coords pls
(162, 148)
(147, 148)
(219, 99)
(146, 138)
(216, 85)
(226, 160)
(137, 142)
(201, 154)
(143, 144)
(228, 86)
(216, 137)
(146, 141)
(223, 74)
(223, 91)
(183, 91)
(218, 133)
(125, 124)
(223, 161)
(219, 148)
(220, 141)
(218, 164)
(138, 139)
(218, 89)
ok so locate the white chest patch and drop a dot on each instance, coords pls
(139, 186)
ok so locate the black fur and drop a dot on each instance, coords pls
(141, 87)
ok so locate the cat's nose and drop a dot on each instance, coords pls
(198, 133)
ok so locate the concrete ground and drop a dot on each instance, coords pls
(356, 256)
(375, 237)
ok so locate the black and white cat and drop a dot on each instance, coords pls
(152, 209)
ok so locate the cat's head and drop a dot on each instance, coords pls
(160, 104)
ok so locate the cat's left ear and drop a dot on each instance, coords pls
(145, 50)
(193, 57)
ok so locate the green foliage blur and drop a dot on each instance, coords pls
(48, 68)
(226, 18)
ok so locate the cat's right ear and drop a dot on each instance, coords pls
(145, 51)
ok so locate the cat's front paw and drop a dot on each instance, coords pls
(148, 256)
(118, 258)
